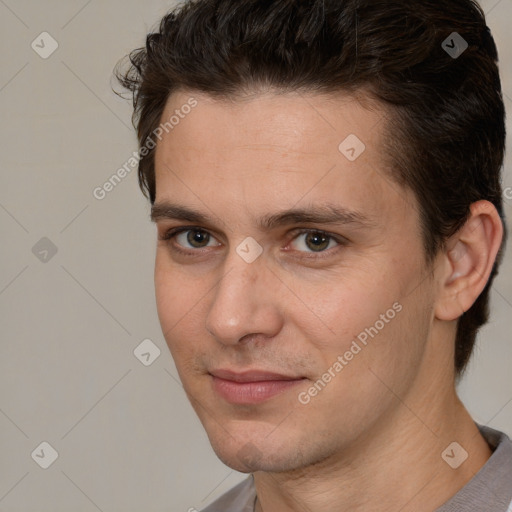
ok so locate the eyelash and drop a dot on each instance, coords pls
(169, 236)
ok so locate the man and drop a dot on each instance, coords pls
(325, 181)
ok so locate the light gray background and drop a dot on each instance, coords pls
(126, 437)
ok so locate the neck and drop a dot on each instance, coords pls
(395, 465)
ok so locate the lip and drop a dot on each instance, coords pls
(251, 386)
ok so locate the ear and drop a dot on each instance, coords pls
(468, 261)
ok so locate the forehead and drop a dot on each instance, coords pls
(303, 122)
(268, 148)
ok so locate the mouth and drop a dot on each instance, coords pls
(251, 386)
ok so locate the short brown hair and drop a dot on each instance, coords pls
(446, 132)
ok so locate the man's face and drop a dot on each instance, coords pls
(288, 256)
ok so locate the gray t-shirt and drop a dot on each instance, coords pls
(490, 490)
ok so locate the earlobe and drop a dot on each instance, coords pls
(469, 259)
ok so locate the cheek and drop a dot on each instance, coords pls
(367, 316)
(345, 304)
(177, 307)
(369, 356)
(175, 296)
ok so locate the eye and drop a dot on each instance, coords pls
(191, 238)
(314, 241)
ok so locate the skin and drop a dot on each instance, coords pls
(372, 438)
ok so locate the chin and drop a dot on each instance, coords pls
(257, 451)
(249, 459)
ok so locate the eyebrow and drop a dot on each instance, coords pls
(320, 214)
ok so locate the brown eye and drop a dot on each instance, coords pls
(198, 238)
(195, 239)
(313, 241)
(317, 241)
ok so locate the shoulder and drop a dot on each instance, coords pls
(491, 488)
(238, 499)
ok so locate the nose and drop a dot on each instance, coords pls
(244, 304)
